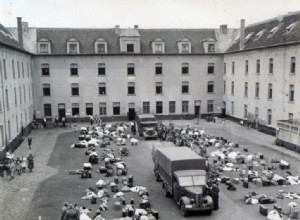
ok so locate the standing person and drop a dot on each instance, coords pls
(24, 164)
(56, 121)
(30, 160)
(45, 122)
(63, 119)
(223, 124)
(29, 142)
(91, 119)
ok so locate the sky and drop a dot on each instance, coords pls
(145, 13)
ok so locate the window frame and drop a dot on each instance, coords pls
(74, 89)
(47, 107)
(130, 69)
(130, 48)
(45, 68)
(185, 87)
(74, 69)
(210, 106)
(291, 93)
(185, 107)
(130, 88)
(158, 88)
(211, 68)
(159, 107)
(102, 108)
(116, 108)
(102, 88)
(75, 109)
(146, 107)
(210, 87)
(293, 65)
(158, 69)
(101, 69)
(46, 89)
(172, 107)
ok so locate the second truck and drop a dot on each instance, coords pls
(183, 176)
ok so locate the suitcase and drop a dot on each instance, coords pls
(246, 184)
(102, 169)
(263, 210)
(94, 200)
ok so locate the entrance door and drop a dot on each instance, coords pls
(223, 113)
(131, 112)
(197, 108)
(61, 111)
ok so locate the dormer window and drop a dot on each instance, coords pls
(248, 36)
(273, 30)
(130, 48)
(100, 46)
(290, 27)
(73, 46)
(158, 45)
(184, 46)
(258, 35)
(211, 48)
(44, 46)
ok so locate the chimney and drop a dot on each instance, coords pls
(136, 27)
(242, 34)
(117, 29)
(223, 28)
(20, 31)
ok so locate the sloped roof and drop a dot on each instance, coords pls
(59, 36)
(280, 36)
(7, 38)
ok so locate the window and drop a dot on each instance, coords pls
(269, 117)
(7, 100)
(246, 67)
(15, 92)
(100, 47)
(74, 69)
(47, 110)
(46, 90)
(293, 65)
(102, 108)
(246, 89)
(185, 106)
(185, 48)
(172, 107)
(130, 68)
(13, 69)
(101, 69)
(18, 67)
(28, 70)
(45, 69)
(210, 87)
(22, 70)
(146, 107)
(232, 108)
(211, 68)
(257, 66)
(270, 91)
(185, 68)
(210, 105)
(130, 48)
(29, 94)
(158, 87)
(225, 68)
(24, 93)
(131, 89)
(211, 48)
(232, 88)
(232, 68)
(44, 48)
(116, 108)
(4, 69)
(271, 65)
(159, 107)
(75, 109)
(224, 87)
(291, 93)
(20, 94)
(102, 88)
(245, 111)
(75, 89)
(185, 87)
(158, 47)
(73, 46)
(89, 108)
(257, 90)
(158, 68)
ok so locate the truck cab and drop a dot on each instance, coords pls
(147, 126)
(189, 191)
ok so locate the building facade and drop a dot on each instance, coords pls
(249, 74)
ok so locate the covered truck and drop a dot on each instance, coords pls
(147, 126)
(183, 176)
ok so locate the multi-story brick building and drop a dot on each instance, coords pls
(248, 73)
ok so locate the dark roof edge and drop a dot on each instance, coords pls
(264, 47)
(140, 54)
(16, 48)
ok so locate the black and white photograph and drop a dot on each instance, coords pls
(149, 110)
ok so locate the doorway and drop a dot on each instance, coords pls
(223, 112)
(197, 108)
(61, 111)
(131, 111)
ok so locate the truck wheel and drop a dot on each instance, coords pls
(183, 210)
(167, 194)
(209, 212)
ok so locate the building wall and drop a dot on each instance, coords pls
(280, 79)
(116, 80)
(15, 114)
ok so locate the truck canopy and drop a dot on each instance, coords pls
(172, 159)
(146, 117)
